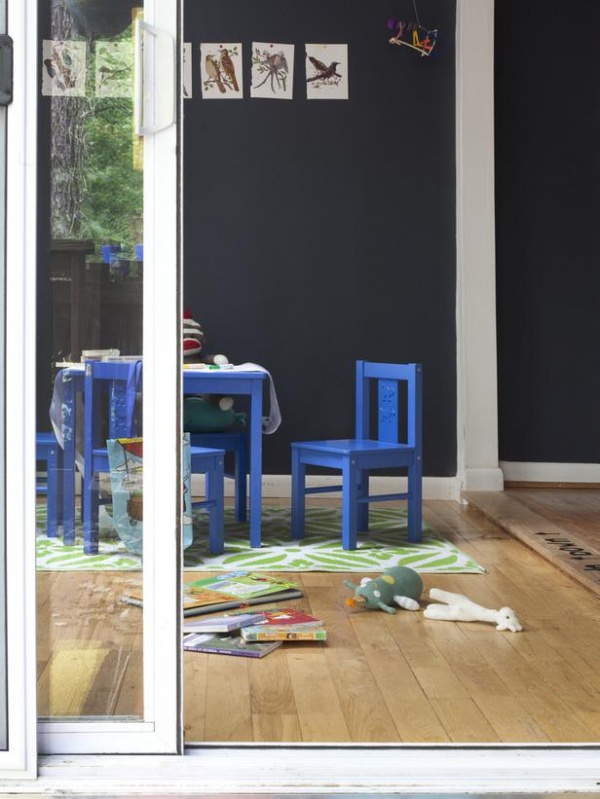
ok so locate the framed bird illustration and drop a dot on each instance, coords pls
(221, 71)
(326, 71)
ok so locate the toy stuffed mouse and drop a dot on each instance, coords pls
(398, 584)
(457, 607)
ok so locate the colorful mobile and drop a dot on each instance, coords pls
(413, 34)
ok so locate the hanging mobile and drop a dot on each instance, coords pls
(413, 34)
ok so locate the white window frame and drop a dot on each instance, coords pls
(160, 730)
(351, 769)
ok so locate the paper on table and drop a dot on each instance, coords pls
(273, 420)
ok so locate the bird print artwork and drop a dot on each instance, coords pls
(324, 72)
(213, 70)
(272, 70)
(64, 68)
(327, 71)
(221, 71)
(114, 69)
(228, 68)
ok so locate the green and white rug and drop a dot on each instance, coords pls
(321, 550)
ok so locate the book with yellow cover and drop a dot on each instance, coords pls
(283, 632)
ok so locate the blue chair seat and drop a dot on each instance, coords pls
(396, 444)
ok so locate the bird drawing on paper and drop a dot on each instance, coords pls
(324, 72)
(214, 72)
(275, 68)
(59, 67)
(229, 69)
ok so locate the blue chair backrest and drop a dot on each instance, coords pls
(399, 417)
(121, 381)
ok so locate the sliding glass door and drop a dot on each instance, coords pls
(106, 379)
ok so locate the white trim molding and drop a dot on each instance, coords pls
(520, 472)
(278, 486)
(477, 401)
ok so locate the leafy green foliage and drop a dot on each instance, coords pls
(113, 188)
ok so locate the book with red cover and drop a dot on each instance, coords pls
(287, 616)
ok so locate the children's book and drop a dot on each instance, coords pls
(284, 632)
(237, 585)
(196, 604)
(228, 645)
(286, 616)
(191, 609)
(222, 624)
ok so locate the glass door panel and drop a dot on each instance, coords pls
(90, 313)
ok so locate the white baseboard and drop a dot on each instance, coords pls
(551, 472)
(486, 479)
(279, 486)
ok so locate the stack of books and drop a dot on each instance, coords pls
(252, 634)
(285, 624)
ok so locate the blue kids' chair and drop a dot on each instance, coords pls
(47, 449)
(396, 443)
(110, 411)
(112, 388)
(235, 441)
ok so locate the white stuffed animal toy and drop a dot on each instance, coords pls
(457, 607)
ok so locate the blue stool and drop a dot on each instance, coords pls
(47, 449)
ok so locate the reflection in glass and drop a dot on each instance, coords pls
(90, 279)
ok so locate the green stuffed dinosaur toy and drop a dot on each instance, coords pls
(398, 584)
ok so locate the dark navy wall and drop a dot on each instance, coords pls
(319, 232)
(548, 219)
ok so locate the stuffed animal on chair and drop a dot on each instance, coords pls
(398, 584)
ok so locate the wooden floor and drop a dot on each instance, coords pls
(380, 678)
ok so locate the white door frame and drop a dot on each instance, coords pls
(20, 760)
(161, 728)
(381, 769)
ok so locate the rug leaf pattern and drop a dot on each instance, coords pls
(321, 550)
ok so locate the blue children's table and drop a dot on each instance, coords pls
(236, 381)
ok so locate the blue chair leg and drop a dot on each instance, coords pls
(216, 512)
(241, 471)
(90, 495)
(298, 494)
(415, 504)
(349, 504)
(54, 495)
(363, 507)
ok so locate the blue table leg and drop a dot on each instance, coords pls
(255, 462)
(69, 426)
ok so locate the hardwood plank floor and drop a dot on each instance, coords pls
(379, 678)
